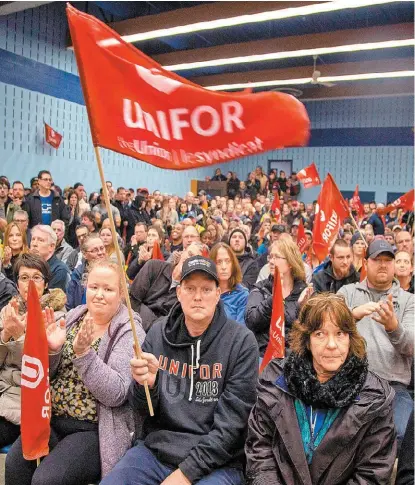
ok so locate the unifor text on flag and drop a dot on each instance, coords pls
(138, 108)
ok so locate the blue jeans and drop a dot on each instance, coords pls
(402, 408)
(140, 467)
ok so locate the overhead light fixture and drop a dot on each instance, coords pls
(284, 13)
(308, 80)
(291, 54)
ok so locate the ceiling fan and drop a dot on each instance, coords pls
(316, 75)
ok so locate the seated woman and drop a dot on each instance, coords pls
(12, 324)
(145, 252)
(232, 293)
(106, 237)
(15, 244)
(322, 418)
(285, 254)
(404, 270)
(90, 353)
(358, 246)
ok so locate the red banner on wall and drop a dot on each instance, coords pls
(309, 176)
(52, 137)
(137, 108)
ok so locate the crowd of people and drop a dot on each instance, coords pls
(200, 273)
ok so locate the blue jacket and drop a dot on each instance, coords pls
(235, 303)
(75, 291)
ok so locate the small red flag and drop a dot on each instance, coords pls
(363, 270)
(276, 344)
(309, 176)
(138, 108)
(35, 392)
(301, 237)
(276, 207)
(331, 209)
(157, 254)
(205, 251)
(52, 137)
(405, 202)
(356, 204)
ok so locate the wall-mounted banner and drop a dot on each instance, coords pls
(137, 108)
(52, 136)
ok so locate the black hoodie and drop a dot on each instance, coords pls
(324, 280)
(200, 419)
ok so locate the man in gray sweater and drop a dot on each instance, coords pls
(385, 318)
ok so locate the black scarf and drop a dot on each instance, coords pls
(338, 392)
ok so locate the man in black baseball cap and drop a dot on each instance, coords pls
(201, 369)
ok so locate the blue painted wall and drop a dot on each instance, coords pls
(365, 141)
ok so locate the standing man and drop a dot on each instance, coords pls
(385, 318)
(201, 387)
(4, 201)
(44, 205)
(80, 192)
(63, 249)
(16, 201)
(405, 242)
(43, 243)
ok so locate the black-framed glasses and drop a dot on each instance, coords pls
(25, 278)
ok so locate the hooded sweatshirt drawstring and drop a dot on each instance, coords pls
(196, 366)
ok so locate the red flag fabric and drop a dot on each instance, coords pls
(276, 207)
(138, 108)
(205, 252)
(301, 237)
(356, 204)
(363, 270)
(276, 344)
(331, 209)
(52, 137)
(405, 202)
(35, 392)
(157, 254)
(309, 176)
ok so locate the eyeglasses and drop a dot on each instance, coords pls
(101, 249)
(48, 179)
(37, 278)
(275, 257)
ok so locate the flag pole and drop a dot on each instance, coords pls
(358, 229)
(137, 346)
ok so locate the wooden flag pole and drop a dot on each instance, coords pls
(137, 346)
(358, 229)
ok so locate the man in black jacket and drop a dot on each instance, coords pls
(337, 272)
(249, 267)
(201, 369)
(44, 205)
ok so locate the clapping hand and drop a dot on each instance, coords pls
(7, 256)
(55, 331)
(385, 315)
(84, 337)
(144, 254)
(13, 324)
(305, 295)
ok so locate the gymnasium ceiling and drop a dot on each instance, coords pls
(391, 21)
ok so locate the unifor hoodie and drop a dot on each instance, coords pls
(203, 395)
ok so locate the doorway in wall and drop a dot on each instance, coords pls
(285, 165)
(365, 196)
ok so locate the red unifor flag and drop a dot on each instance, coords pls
(35, 392)
(331, 209)
(363, 270)
(405, 202)
(356, 204)
(276, 344)
(309, 176)
(52, 137)
(138, 108)
(276, 207)
(157, 254)
(301, 237)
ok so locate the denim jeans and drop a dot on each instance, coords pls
(402, 408)
(140, 467)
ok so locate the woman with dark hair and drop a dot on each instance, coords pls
(74, 219)
(321, 417)
(358, 246)
(12, 326)
(15, 244)
(89, 361)
(93, 199)
(232, 293)
(182, 212)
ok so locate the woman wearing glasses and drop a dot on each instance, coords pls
(12, 324)
(285, 255)
(89, 357)
(15, 244)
